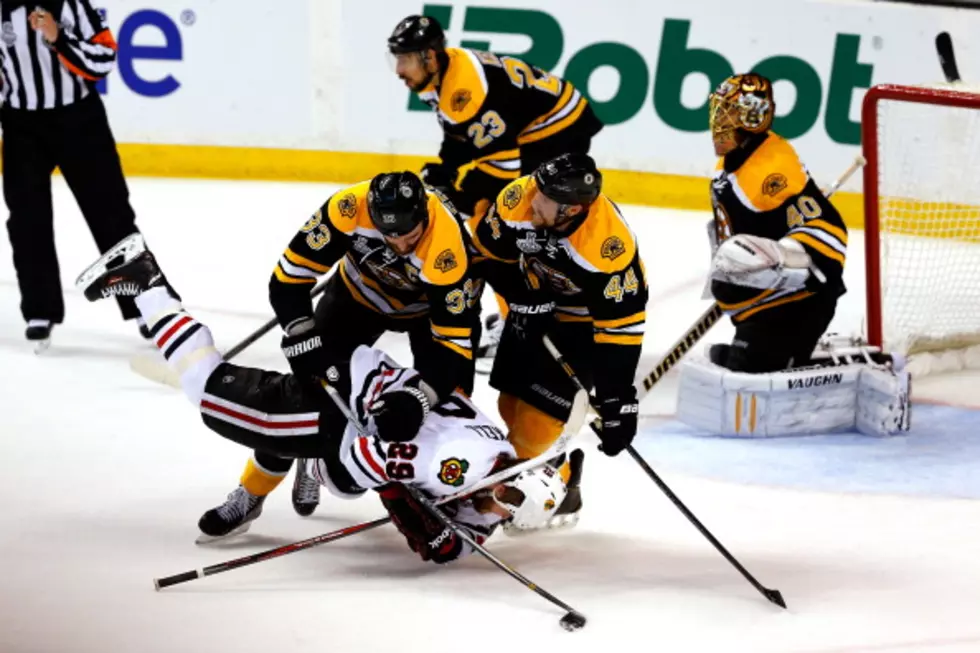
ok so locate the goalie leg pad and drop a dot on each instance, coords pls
(794, 402)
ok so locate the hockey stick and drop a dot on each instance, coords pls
(154, 369)
(947, 59)
(560, 446)
(771, 595)
(572, 619)
(244, 561)
(711, 316)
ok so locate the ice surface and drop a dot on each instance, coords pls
(103, 476)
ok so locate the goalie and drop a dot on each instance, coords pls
(777, 272)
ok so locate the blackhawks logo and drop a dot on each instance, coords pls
(446, 260)
(513, 195)
(773, 184)
(347, 205)
(452, 471)
(613, 248)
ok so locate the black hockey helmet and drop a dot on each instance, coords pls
(570, 179)
(397, 202)
(417, 34)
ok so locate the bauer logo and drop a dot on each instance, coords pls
(146, 36)
(653, 78)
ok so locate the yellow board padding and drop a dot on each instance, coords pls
(273, 164)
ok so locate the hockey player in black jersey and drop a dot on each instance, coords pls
(777, 271)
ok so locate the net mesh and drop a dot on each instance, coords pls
(929, 225)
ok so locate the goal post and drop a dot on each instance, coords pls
(922, 217)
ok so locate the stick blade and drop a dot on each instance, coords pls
(774, 596)
(947, 59)
(580, 409)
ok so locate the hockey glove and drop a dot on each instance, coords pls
(303, 348)
(425, 534)
(398, 414)
(439, 175)
(530, 320)
(619, 419)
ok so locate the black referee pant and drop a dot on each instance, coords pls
(76, 138)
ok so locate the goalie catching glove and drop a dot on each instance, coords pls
(755, 262)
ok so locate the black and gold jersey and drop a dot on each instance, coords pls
(490, 105)
(594, 273)
(763, 189)
(433, 280)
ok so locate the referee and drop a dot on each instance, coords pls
(51, 54)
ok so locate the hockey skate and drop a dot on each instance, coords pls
(39, 333)
(306, 491)
(568, 512)
(493, 328)
(126, 270)
(233, 517)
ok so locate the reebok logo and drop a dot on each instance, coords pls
(814, 381)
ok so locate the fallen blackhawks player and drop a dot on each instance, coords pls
(579, 279)
(501, 118)
(290, 415)
(402, 265)
(777, 271)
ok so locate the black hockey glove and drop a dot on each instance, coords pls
(398, 414)
(303, 349)
(619, 417)
(425, 534)
(440, 176)
(530, 319)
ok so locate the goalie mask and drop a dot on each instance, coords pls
(533, 497)
(741, 103)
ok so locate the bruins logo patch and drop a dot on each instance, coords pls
(452, 470)
(446, 260)
(513, 196)
(774, 184)
(612, 248)
(347, 205)
(460, 99)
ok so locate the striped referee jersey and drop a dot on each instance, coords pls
(38, 75)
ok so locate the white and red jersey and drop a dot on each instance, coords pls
(456, 447)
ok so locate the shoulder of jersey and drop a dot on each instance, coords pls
(348, 208)
(770, 176)
(442, 250)
(604, 242)
(464, 88)
(514, 201)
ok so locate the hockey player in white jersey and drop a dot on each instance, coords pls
(455, 448)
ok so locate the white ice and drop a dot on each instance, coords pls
(103, 476)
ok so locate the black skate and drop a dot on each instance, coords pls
(126, 270)
(306, 491)
(39, 332)
(568, 512)
(233, 517)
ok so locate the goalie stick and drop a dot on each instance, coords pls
(711, 316)
(771, 595)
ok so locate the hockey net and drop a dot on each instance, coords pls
(922, 223)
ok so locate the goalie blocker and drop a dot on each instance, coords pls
(841, 390)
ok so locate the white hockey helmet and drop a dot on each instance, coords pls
(532, 497)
